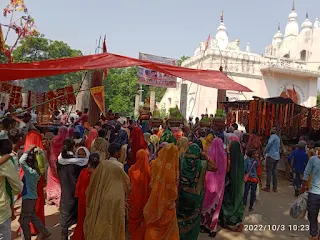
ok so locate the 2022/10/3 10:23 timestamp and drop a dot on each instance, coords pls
(276, 227)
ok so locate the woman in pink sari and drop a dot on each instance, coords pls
(53, 182)
(214, 189)
(93, 134)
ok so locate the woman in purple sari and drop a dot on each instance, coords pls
(214, 189)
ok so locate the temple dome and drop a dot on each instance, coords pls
(278, 37)
(221, 35)
(292, 28)
(307, 24)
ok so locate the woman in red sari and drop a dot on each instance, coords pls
(140, 178)
(81, 187)
(93, 134)
(137, 143)
(53, 182)
(35, 138)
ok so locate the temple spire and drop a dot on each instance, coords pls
(294, 5)
(221, 16)
(278, 26)
(307, 15)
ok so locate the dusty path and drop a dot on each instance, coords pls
(273, 210)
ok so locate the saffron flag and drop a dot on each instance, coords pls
(2, 43)
(207, 42)
(97, 94)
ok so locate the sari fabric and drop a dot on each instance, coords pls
(182, 145)
(79, 129)
(206, 142)
(168, 137)
(214, 187)
(93, 134)
(232, 210)
(35, 138)
(137, 143)
(81, 187)
(105, 218)
(139, 175)
(53, 188)
(160, 210)
(100, 145)
(191, 192)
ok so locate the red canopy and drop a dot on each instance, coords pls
(208, 78)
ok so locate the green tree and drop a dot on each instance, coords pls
(182, 59)
(318, 98)
(121, 89)
(39, 48)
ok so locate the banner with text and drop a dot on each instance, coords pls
(154, 78)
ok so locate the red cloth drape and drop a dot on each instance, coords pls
(208, 78)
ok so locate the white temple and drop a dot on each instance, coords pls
(290, 65)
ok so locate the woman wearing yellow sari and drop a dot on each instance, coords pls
(106, 197)
(206, 142)
(160, 210)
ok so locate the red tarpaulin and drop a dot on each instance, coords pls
(208, 78)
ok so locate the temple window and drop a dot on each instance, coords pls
(303, 55)
(287, 56)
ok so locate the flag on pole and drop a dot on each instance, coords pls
(207, 42)
(97, 94)
(2, 43)
(104, 48)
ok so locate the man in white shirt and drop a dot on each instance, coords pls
(114, 152)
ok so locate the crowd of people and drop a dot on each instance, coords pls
(115, 176)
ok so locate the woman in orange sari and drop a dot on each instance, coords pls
(93, 134)
(160, 211)
(139, 175)
(35, 138)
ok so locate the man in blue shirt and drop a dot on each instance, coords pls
(298, 160)
(313, 168)
(272, 151)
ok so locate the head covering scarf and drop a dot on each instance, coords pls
(79, 129)
(57, 143)
(182, 145)
(232, 208)
(105, 217)
(93, 134)
(155, 142)
(33, 138)
(160, 210)
(254, 143)
(147, 137)
(137, 143)
(191, 192)
(234, 138)
(139, 175)
(71, 131)
(123, 154)
(214, 186)
(168, 137)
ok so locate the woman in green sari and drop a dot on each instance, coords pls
(232, 209)
(191, 191)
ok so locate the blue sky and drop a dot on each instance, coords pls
(169, 28)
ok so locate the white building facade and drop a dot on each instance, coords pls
(290, 66)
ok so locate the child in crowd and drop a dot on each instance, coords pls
(298, 160)
(29, 165)
(252, 167)
(81, 187)
(114, 152)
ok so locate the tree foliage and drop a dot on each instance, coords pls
(39, 48)
(182, 59)
(121, 89)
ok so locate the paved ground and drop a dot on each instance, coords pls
(273, 210)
